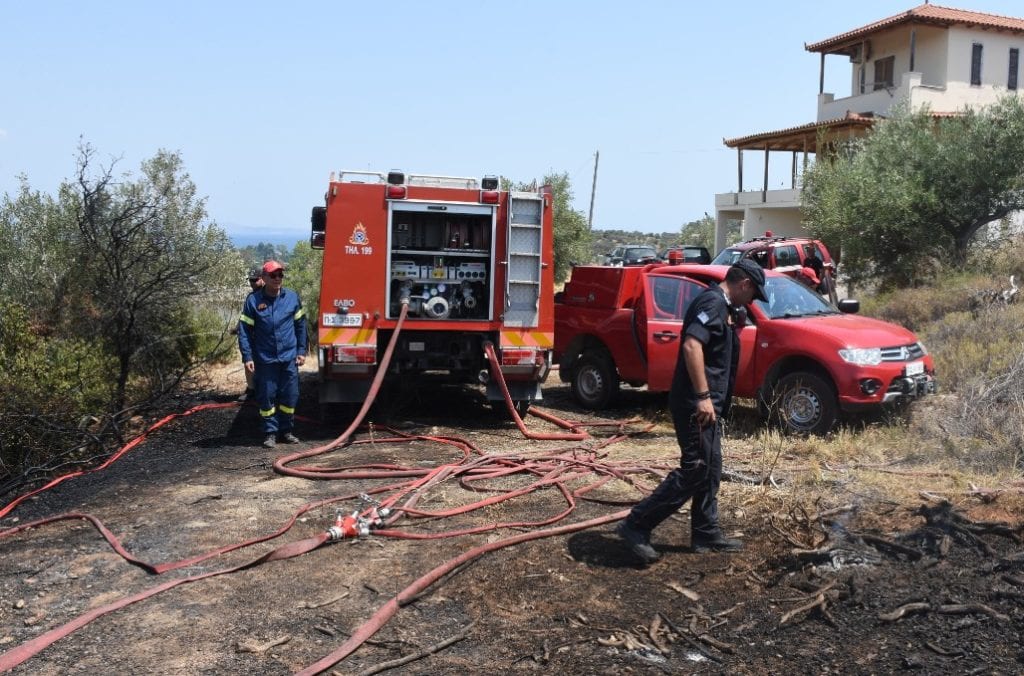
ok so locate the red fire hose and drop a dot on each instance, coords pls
(473, 469)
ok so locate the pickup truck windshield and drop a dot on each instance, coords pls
(727, 257)
(788, 298)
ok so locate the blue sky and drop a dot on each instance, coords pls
(264, 100)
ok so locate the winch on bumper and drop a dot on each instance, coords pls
(910, 387)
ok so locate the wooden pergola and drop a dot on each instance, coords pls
(803, 139)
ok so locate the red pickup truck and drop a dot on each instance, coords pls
(803, 359)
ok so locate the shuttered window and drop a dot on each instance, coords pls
(1011, 81)
(976, 64)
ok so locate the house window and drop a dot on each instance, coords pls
(1011, 81)
(976, 65)
(862, 79)
(884, 73)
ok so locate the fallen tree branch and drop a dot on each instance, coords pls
(384, 666)
(681, 633)
(259, 648)
(971, 609)
(819, 601)
(878, 542)
(710, 640)
(905, 609)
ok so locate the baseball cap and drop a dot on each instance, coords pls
(809, 273)
(756, 274)
(254, 274)
(271, 266)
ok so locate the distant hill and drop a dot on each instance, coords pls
(603, 241)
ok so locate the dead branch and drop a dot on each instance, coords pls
(879, 542)
(942, 651)
(259, 648)
(905, 609)
(653, 631)
(819, 601)
(321, 604)
(681, 633)
(710, 640)
(971, 609)
(835, 511)
(384, 666)
(1013, 579)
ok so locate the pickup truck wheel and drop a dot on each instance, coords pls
(805, 403)
(594, 381)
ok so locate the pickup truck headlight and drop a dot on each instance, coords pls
(924, 350)
(862, 356)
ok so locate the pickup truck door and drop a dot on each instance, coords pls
(746, 375)
(667, 298)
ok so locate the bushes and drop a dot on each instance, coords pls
(52, 387)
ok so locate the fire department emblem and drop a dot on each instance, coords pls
(359, 236)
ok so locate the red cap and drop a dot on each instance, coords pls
(271, 266)
(810, 275)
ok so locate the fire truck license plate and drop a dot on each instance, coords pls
(914, 368)
(331, 319)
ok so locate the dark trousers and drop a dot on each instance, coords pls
(697, 478)
(277, 393)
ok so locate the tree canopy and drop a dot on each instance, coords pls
(908, 199)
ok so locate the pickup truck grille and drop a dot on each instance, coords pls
(903, 352)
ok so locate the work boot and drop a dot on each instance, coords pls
(638, 542)
(289, 438)
(270, 441)
(719, 543)
(246, 396)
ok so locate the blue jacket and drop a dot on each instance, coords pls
(272, 329)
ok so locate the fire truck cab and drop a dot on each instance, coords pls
(475, 263)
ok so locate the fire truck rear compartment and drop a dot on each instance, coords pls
(442, 260)
(457, 352)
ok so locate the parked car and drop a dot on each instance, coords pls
(632, 254)
(787, 255)
(690, 254)
(802, 359)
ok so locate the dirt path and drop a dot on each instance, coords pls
(576, 604)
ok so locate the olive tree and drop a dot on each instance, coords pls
(911, 195)
(151, 261)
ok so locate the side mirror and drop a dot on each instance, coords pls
(849, 306)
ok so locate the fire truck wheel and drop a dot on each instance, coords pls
(804, 403)
(594, 381)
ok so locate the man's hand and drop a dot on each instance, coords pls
(705, 412)
(250, 366)
(300, 359)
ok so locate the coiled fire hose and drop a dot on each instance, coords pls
(551, 468)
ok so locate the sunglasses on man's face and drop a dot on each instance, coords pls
(276, 275)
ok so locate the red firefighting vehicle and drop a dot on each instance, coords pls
(473, 262)
(802, 359)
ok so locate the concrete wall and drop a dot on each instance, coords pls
(942, 71)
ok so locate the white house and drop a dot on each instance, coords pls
(946, 58)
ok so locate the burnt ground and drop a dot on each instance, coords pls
(846, 550)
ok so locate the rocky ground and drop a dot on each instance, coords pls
(840, 574)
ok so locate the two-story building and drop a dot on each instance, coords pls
(945, 58)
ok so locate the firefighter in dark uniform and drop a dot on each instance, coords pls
(272, 339)
(701, 395)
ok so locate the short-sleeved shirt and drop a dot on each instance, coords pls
(707, 320)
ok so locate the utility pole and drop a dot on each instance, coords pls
(593, 189)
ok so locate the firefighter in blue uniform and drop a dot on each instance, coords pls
(272, 339)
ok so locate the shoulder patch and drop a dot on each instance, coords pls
(702, 317)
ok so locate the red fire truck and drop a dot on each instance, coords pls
(473, 263)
